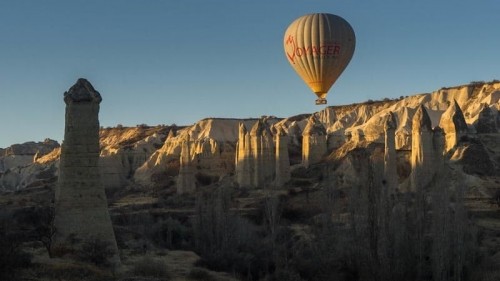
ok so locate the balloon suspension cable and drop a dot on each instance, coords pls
(320, 101)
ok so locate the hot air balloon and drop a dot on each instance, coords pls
(319, 48)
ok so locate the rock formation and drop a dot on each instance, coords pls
(186, 182)
(119, 162)
(256, 155)
(422, 150)
(487, 122)
(439, 148)
(24, 154)
(262, 149)
(213, 158)
(20, 165)
(282, 159)
(143, 157)
(81, 207)
(313, 142)
(453, 124)
(390, 157)
(243, 158)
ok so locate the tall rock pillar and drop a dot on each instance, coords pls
(422, 150)
(453, 124)
(487, 122)
(81, 207)
(282, 159)
(439, 149)
(314, 144)
(390, 158)
(186, 181)
(243, 157)
(262, 147)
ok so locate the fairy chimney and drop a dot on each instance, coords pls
(422, 149)
(81, 207)
(314, 145)
(186, 182)
(390, 158)
(282, 159)
(453, 124)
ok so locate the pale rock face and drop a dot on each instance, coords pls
(327, 116)
(186, 182)
(422, 150)
(118, 163)
(81, 209)
(403, 131)
(390, 157)
(313, 142)
(365, 121)
(262, 151)
(283, 174)
(453, 124)
(158, 161)
(18, 155)
(256, 155)
(243, 157)
(16, 161)
(295, 133)
(213, 148)
(213, 158)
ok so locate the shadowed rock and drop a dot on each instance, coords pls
(282, 159)
(81, 207)
(487, 121)
(390, 158)
(186, 181)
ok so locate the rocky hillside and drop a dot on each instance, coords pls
(149, 156)
(222, 189)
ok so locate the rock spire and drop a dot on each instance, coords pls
(427, 148)
(314, 144)
(283, 174)
(81, 207)
(186, 182)
(390, 158)
(255, 157)
(487, 122)
(243, 157)
(453, 124)
(422, 149)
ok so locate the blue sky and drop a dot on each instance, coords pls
(178, 61)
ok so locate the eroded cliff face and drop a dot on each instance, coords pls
(21, 165)
(151, 155)
(453, 124)
(122, 151)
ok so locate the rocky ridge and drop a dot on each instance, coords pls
(150, 156)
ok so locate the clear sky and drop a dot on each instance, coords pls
(178, 61)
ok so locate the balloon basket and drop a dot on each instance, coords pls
(320, 101)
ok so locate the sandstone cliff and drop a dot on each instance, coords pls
(147, 156)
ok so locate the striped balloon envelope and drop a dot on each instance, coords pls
(319, 47)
